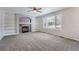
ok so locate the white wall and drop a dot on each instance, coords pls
(33, 24)
(39, 23)
(24, 13)
(9, 24)
(70, 20)
(2, 14)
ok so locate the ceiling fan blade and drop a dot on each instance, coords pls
(38, 11)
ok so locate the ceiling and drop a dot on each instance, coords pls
(23, 10)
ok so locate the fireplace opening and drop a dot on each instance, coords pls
(25, 29)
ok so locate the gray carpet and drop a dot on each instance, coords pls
(37, 42)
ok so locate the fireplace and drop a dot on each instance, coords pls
(24, 24)
(25, 29)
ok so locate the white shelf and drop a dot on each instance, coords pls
(24, 23)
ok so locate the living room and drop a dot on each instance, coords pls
(39, 28)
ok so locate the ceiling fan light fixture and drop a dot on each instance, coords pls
(34, 11)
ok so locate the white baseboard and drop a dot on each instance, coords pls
(64, 36)
(10, 34)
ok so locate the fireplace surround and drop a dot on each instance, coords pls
(24, 24)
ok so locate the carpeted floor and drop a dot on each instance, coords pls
(37, 42)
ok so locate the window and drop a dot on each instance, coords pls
(58, 21)
(53, 22)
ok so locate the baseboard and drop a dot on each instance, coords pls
(10, 34)
(62, 36)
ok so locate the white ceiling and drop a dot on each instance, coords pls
(23, 10)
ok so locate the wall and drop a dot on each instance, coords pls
(2, 14)
(9, 24)
(23, 12)
(70, 26)
(39, 24)
(33, 24)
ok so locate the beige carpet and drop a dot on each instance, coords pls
(37, 42)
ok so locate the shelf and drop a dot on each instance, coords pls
(24, 23)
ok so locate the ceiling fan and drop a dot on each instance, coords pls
(35, 9)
